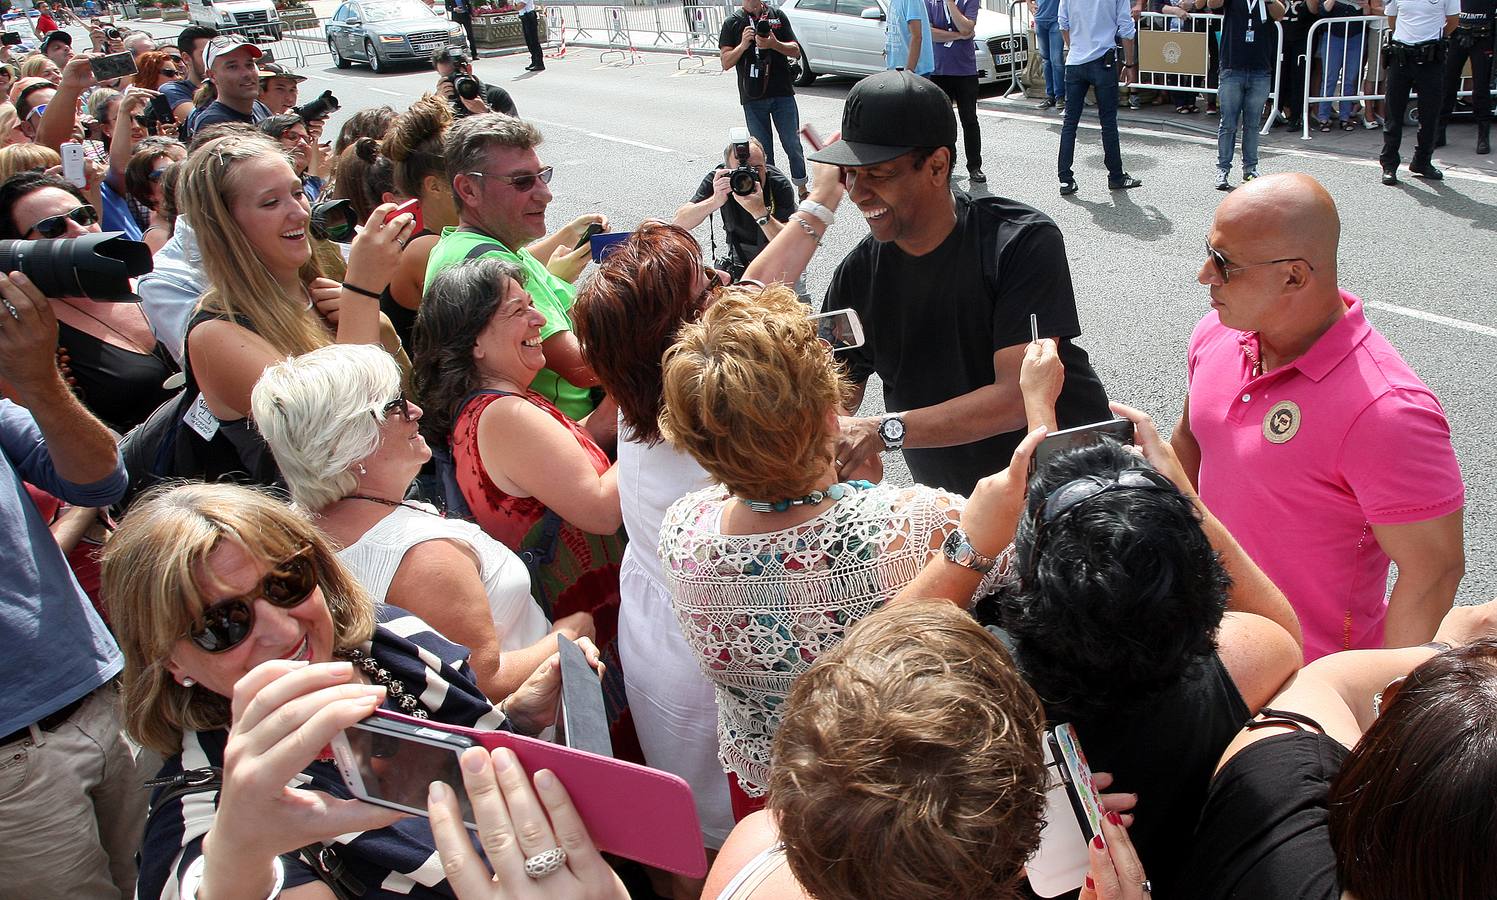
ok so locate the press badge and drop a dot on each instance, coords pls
(201, 419)
(753, 71)
(1248, 36)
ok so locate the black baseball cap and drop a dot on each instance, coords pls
(888, 115)
(58, 35)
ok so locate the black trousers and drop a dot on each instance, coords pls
(962, 89)
(1428, 79)
(532, 29)
(466, 21)
(1480, 54)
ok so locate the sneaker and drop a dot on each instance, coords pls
(1049, 103)
(1249, 175)
(1427, 170)
(1124, 183)
(1390, 176)
(802, 192)
(976, 176)
(1222, 184)
(1133, 102)
(1067, 188)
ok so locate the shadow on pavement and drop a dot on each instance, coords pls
(1448, 199)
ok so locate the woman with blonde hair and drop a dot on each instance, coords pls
(267, 298)
(28, 157)
(38, 66)
(248, 647)
(770, 567)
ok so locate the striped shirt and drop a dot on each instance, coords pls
(398, 861)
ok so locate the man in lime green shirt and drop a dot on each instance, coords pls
(500, 188)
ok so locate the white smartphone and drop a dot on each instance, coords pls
(840, 328)
(1073, 816)
(72, 164)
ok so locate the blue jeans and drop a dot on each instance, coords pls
(1242, 93)
(1340, 66)
(1053, 48)
(1101, 74)
(786, 116)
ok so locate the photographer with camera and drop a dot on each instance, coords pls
(755, 200)
(278, 86)
(468, 95)
(295, 136)
(758, 41)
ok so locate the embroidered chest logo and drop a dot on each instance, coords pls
(1282, 422)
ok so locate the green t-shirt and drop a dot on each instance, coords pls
(552, 296)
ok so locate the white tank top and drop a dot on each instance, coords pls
(373, 559)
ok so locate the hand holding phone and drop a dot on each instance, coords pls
(413, 207)
(1119, 430)
(115, 65)
(595, 228)
(72, 165)
(1073, 816)
(841, 329)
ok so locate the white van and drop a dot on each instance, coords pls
(251, 18)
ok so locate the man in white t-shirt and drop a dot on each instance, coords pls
(1416, 59)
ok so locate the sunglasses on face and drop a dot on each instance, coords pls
(521, 183)
(171, 73)
(1225, 269)
(224, 625)
(400, 405)
(57, 226)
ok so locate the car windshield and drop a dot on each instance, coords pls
(396, 9)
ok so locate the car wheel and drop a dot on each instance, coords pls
(804, 77)
(338, 60)
(375, 65)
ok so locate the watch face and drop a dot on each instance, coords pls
(893, 429)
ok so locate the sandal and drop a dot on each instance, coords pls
(1325, 126)
(1371, 124)
(1348, 125)
(1183, 108)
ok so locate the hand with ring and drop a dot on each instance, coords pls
(1116, 872)
(534, 839)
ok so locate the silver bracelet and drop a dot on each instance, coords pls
(806, 227)
(816, 209)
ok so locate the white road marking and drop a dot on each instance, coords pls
(1432, 317)
(605, 137)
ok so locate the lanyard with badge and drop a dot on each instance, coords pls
(1261, 8)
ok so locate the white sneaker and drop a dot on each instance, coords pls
(1222, 184)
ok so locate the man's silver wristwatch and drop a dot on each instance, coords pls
(956, 549)
(891, 430)
(762, 220)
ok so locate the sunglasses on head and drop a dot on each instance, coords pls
(399, 405)
(57, 226)
(224, 625)
(1077, 493)
(1225, 269)
(171, 73)
(521, 183)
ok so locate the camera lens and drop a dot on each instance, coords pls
(96, 266)
(333, 220)
(761, 28)
(466, 86)
(743, 180)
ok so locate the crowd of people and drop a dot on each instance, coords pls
(373, 433)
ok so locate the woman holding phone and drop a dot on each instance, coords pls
(248, 646)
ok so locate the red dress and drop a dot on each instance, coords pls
(572, 572)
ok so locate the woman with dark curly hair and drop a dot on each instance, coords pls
(908, 765)
(1137, 619)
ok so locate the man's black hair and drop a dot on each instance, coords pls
(192, 34)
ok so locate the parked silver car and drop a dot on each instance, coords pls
(381, 32)
(846, 37)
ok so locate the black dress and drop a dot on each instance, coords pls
(402, 319)
(119, 386)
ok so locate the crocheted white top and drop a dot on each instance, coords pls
(758, 609)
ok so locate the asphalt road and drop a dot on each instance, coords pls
(633, 141)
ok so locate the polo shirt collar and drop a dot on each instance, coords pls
(1330, 348)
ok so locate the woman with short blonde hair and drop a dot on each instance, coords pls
(17, 158)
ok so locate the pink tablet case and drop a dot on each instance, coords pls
(630, 810)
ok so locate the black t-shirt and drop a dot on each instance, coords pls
(217, 112)
(761, 73)
(1265, 830)
(932, 324)
(494, 97)
(1237, 52)
(1478, 13)
(745, 237)
(1341, 10)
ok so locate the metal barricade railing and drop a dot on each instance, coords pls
(1174, 53)
(556, 31)
(1020, 24)
(620, 36)
(1351, 33)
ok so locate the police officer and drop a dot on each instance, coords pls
(1416, 59)
(1473, 40)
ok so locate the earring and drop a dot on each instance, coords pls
(362, 470)
(188, 682)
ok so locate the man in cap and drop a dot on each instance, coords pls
(58, 47)
(230, 61)
(278, 87)
(945, 285)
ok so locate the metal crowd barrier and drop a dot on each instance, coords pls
(620, 40)
(1175, 54)
(556, 31)
(1020, 22)
(1327, 31)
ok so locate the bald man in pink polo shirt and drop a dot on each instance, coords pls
(1309, 436)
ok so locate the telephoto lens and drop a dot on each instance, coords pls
(465, 85)
(761, 28)
(95, 266)
(333, 220)
(320, 108)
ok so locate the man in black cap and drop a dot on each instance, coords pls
(944, 285)
(58, 47)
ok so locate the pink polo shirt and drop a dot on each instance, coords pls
(1301, 462)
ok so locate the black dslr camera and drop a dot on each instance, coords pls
(761, 28)
(464, 85)
(320, 108)
(743, 180)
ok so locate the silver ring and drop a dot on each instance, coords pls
(547, 862)
(1148, 886)
(10, 308)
